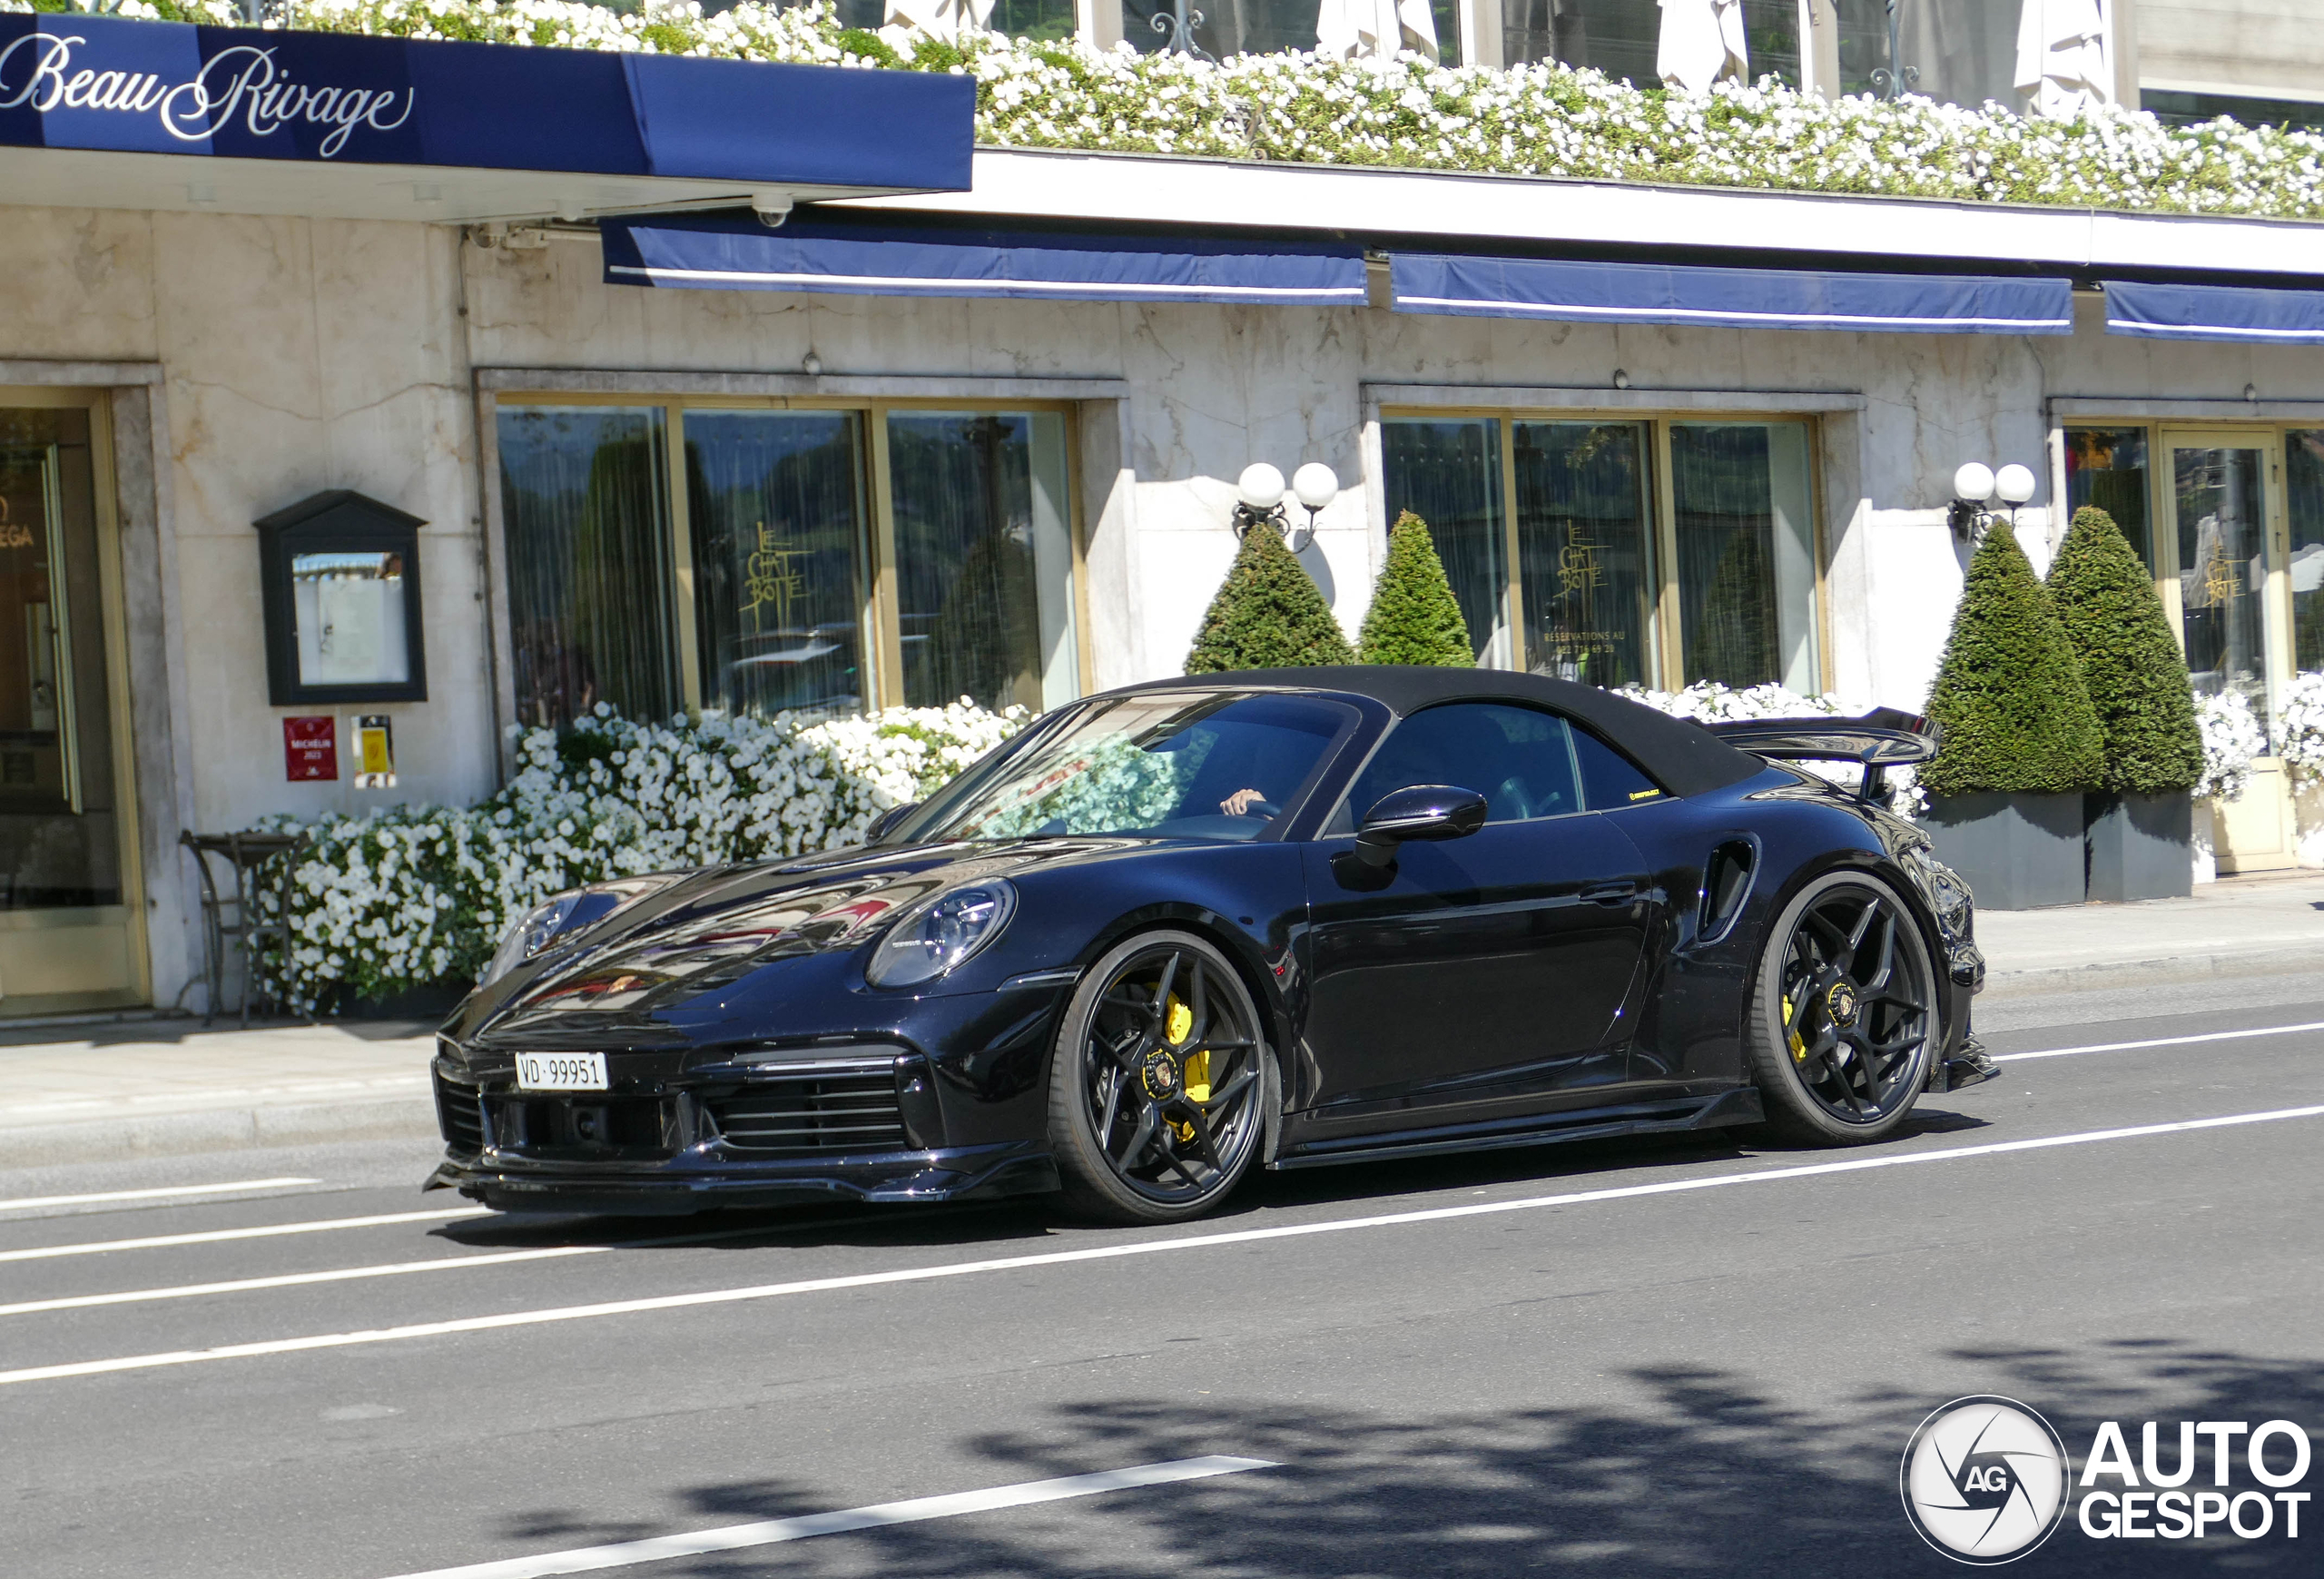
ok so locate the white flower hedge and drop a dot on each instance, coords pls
(1528, 120)
(2234, 738)
(415, 896)
(2299, 726)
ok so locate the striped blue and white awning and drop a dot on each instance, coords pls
(1581, 292)
(722, 253)
(2215, 313)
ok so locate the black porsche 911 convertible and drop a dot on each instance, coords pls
(1174, 933)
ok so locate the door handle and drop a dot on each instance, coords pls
(1617, 890)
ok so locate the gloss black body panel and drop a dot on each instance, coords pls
(1534, 980)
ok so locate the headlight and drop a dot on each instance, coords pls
(938, 935)
(561, 914)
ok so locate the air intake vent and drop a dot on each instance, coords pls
(459, 1116)
(1726, 884)
(825, 1107)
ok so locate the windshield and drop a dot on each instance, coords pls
(1172, 765)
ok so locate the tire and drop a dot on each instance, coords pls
(1843, 1015)
(1158, 1085)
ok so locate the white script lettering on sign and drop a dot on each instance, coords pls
(243, 80)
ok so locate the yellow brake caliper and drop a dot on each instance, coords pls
(1799, 1046)
(1176, 1025)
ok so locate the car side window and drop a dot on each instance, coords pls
(1519, 759)
(1610, 781)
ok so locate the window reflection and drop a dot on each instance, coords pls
(2221, 568)
(774, 500)
(1746, 543)
(1623, 38)
(984, 557)
(584, 503)
(2106, 468)
(1448, 473)
(2304, 483)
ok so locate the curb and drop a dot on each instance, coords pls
(2099, 976)
(218, 1130)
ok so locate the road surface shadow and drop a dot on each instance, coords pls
(1686, 1470)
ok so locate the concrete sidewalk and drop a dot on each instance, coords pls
(161, 1088)
(157, 1088)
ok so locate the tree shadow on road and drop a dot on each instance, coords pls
(1691, 1470)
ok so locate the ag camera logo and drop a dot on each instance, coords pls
(1984, 1480)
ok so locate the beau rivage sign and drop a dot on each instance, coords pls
(72, 80)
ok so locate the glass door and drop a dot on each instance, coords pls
(69, 932)
(2219, 525)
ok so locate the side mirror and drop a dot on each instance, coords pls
(1425, 812)
(887, 820)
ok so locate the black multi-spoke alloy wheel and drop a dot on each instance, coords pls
(1844, 1017)
(1158, 1091)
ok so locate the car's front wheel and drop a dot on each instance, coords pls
(1157, 1090)
(1844, 1020)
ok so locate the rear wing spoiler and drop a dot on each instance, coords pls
(1884, 738)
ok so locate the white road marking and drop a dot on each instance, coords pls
(26, 1202)
(769, 1532)
(1113, 1251)
(2159, 1041)
(219, 1235)
(293, 1280)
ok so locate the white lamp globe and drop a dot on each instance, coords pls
(1260, 486)
(1315, 485)
(1973, 481)
(2015, 483)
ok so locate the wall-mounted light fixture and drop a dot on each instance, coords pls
(1258, 499)
(1975, 485)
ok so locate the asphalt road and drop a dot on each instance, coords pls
(1709, 1365)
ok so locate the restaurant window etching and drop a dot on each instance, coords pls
(817, 559)
(1622, 552)
(2230, 523)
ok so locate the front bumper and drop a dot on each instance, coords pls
(702, 1181)
(687, 1129)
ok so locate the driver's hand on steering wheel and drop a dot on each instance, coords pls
(1240, 802)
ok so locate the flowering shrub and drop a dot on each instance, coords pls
(2232, 737)
(414, 895)
(1542, 119)
(2299, 726)
(1706, 702)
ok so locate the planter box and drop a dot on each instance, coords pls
(2016, 851)
(2141, 846)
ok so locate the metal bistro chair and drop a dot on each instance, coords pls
(228, 914)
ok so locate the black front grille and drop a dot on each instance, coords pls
(837, 1107)
(459, 1116)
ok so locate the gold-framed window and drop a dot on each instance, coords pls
(761, 554)
(2230, 519)
(1621, 548)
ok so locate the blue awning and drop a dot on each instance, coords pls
(871, 259)
(1573, 292)
(2215, 313)
(71, 81)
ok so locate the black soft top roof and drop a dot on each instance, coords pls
(1684, 756)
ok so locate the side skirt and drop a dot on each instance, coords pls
(1736, 1105)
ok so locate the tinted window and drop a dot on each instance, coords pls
(1520, 760)
(1168, 765)
(1610, 780)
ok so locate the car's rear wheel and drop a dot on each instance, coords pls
(1843, 1019)
(1158, 1089)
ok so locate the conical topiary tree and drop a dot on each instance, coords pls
(1268, 615)
(1414, 618)
(2130, 663)
(2009, 690)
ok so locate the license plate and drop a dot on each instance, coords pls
(561, 1072)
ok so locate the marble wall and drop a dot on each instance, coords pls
(298, 355)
